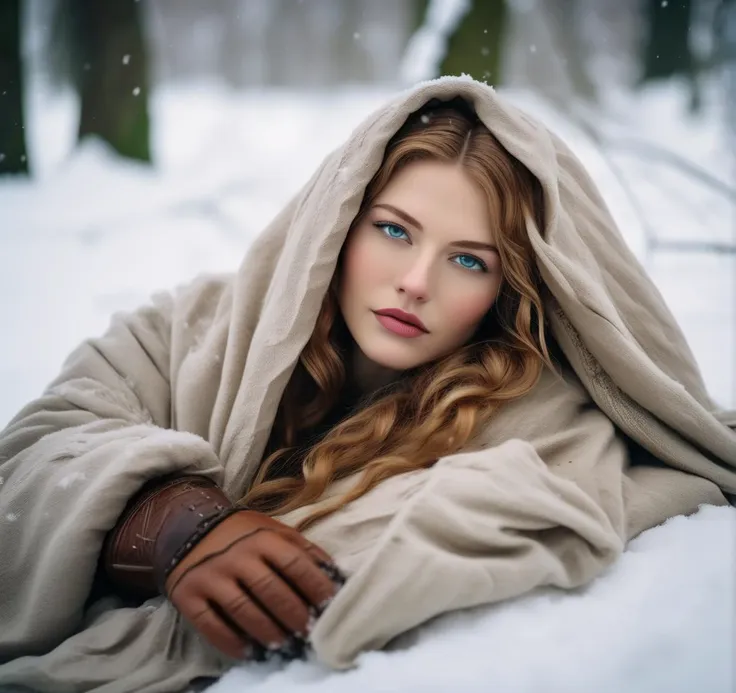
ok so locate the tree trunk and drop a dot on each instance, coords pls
(476, 46)
(112, 75)
(667, 47)
(13, 157)
(667, 50)
(419, 14)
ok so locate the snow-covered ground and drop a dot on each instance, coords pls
(660, 621)
(91, 234)
(94, 234)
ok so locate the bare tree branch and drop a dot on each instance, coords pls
(694, 246)
(654, 151)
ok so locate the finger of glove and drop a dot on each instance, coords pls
(248, 605)
(215, 629)
(299, 570)
(202, 556)
(316, 552)
(278, 597)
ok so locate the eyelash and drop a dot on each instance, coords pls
(383, 225)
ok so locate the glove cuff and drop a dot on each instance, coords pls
(158, 527)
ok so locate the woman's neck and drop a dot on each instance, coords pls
(368, 376)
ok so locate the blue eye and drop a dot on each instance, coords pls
(391, 230)
(471, 263)
(468, 262)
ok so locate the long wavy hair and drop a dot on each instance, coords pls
(433, 410)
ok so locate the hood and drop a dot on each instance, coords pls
(605, 313)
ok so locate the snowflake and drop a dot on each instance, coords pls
(11, 517)
(69, 479)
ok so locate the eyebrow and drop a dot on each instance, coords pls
(472, 245)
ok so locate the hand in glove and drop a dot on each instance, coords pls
(250, 584)
(252, 581)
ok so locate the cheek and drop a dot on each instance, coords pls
(464, 312)
(363, 264)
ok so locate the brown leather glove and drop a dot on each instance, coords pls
(157, 522)
(248, 583)
(252, 581)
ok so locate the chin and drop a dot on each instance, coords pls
(393, 357)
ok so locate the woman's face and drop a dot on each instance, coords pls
(425, 247)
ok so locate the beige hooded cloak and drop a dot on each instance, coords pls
(548, 495)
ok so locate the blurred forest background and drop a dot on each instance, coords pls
(114, 52)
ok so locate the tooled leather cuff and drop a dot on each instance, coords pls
(158, 523)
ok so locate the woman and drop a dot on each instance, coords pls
(439, 373)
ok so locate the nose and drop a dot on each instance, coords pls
(416, 279)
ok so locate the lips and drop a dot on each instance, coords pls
(403, 316)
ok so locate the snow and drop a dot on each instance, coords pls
(71, 479)
(91, 235)
(660, 620)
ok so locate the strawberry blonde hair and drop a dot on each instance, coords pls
(435, 409)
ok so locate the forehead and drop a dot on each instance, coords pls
(440, 196)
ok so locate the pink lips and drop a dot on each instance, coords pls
(399, 327)
(403, 316)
